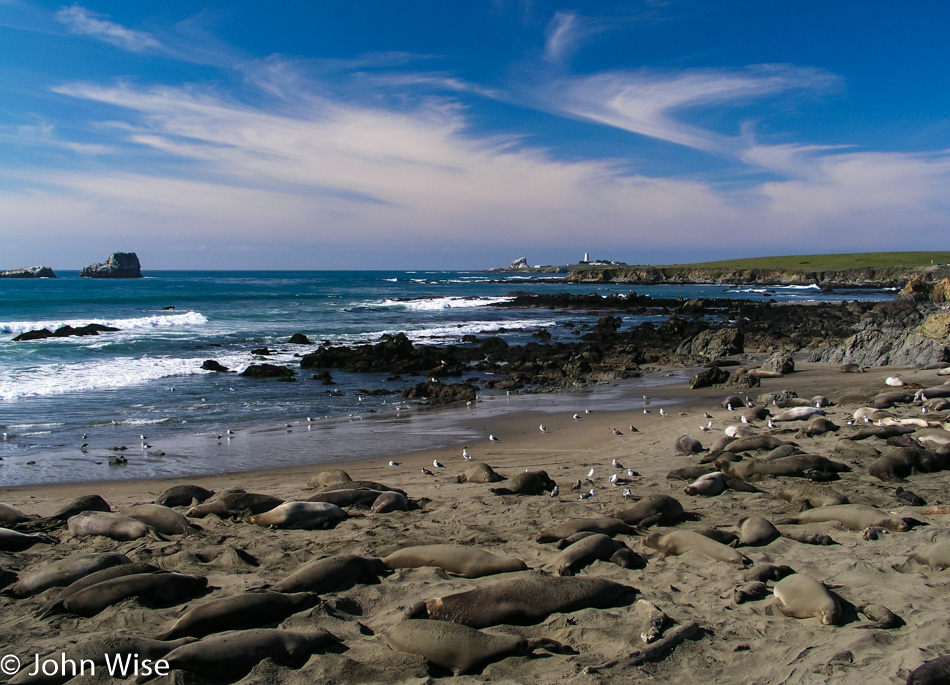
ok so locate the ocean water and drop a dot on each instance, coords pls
(145, 379)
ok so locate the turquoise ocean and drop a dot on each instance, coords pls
(107, 390)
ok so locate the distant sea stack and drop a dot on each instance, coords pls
(29, 272)
(119, 265)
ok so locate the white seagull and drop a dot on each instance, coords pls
(631, 473)
(491, 436)
(627, 494)
(426, 471)
(590, 475)
(393, 463)
(577, 417)
(662, 411)
(465, 454)
(587, 495)
(616, 464)
(555, 492)
(613, 479)
(544, 428)
(436, 463)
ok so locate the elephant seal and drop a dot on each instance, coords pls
(606, 525)
(681, 541)
(740, 431)
(765, 572)
(851, 368)
(527, 483)
(807, 535)
(64, 572)
(690, 472)
(183, 496)
(720, 444)
(754, 442)
(687, 445)
(81, 504)
(461, 560)
(709, 485)
(801, 596)
(905, 461)
(105, 574)
(756, 531)
(15, 541)
(853, 516)
(886, 400)
(524, 600)
(300, 516)
(733, 401)
(163, 519)
(453, 646)
(10, 516)
(331, 574)
(797, 414)
(234, 503)
(933, 672)
(326, 479)
(232, 655)
(651, 510)
(478, 473)
(237, 612)
(809, 495)
(349, 497)
(819, 425)
(390, 501)
(107, 524)
(936, 555)
(593, 548)
(649, 620)
(750, 592)
(159, 588)
(796, 465)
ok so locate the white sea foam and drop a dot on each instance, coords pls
(437, 303)
(157, 321)
(455, 332)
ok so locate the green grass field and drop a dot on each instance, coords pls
(829, 262)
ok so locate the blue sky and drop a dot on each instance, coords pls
(464, 134)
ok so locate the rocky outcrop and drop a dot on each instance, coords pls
(119, 265)
(880, 348)
(64, 332)
(213, 365)
(936, 327)
(29, 272)
(441, 393)
(268, 371)
(520, 263)
(713, 343)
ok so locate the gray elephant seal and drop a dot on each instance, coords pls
(593, 548)
(933, 672)
(708, 485)
(853, 516)
(326, 479)
(453, 646)
(390, 501)
(808, 495)
(349, 497)
(807, 535)
(81, 504)
(107, 524)
(801, 596)
(795, 465)
(756, 531)
(754, 442)
(905, 461)
(651, 510)
(479, 473)
(301, 516)
(233, 503)
(163, 519)
(183, 495)
(524, 600)
(797, 414)
(936, 556)
(237, 612)
(331, 574)
(687, 445)
(15, 541)
(161, 588)
(606, 525)
(461, 560)
(64, 572)
(527, 483)
(232, 655)
(681, 541)
(10, 516)
(105, 574)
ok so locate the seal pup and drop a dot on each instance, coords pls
(460, 560)
(687, 445)
(801, 596)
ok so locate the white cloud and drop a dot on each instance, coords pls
(85, 22)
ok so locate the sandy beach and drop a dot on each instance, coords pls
(707, 637)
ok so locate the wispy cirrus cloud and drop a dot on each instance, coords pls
(85, 22)
(565, 33)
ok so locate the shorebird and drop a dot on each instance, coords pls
(707, 415)
(705, 427)
(646, 411)
(82, 447)
(744, 419)
(588, 411)
(587, 495)
(577, 417)
(770, 424)
(492, 437)
(436, 463)
(309, 419)
(590, 475)
(544, 428)
(555, 492)
(465, 454)
(616, 464)
(729, 406)
(393, 463)
(749, 403)
(613, 479)
(229, 431)
(631, 473)
(616, 432)
(633, 429)
(576, 486)
(662, 411)
(627, 494)
(426, 471)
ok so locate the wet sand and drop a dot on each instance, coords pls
(731, 643)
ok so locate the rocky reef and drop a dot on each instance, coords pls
(118, 265)
(29, 272)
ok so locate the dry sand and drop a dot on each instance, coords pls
(733, 643)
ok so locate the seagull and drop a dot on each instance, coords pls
(613, 479)
(616, 464)
(436, 463)
(707, 415)
(744, 419)
(631, 473)
(555, 492)
(633, 429)
(588, 411)
(426, 471)
(393, 463)
(577, 417)
(144, 437)
(229, 431)
(83, 436)
(662, 411)
(544, 428)
(465, 454)
(82, 447)
(627, 494)
(749, 403)
(587, 495)
(576, 486)
(705, 427)
(770, 423)
(309, 419)
(729, 406)
(646, 411)
(590, 475)
(491, 436)
(616, 432)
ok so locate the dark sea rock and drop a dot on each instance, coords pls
(708, 378)
(118, 265)
(64, 332)
(441, 393)
(267, 371)
(298, 339)
(29, 272)
(212, 365)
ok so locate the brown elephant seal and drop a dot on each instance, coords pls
(709, 485)
(10, 516)
(801, 596)
(96, 650)
(807, 535)
(753, 443)
(453, 646)
(231, 504)
(163, 519)
(905, 461)
(796, 465)
(330, 478)
(64, 572)
(797, 414)
(163, 589)
(726, 537)
(95, 578)
(651, 510)
(460, 560)
(15, 541)
(739, 432)
(81, 504)
(524, 600)
(596, 547)
(352, 497)
(880, 616)
(479, 473)
(851, 368)
(331, 574)
(690, 472)
(300, 516)
(107, 524)
(238, 612)
(766, 572)
(786, 450)
(882, 432)
(232, 655)
(527, 483)
(809, 495)
(687, 445)
(733, 401)
(886, 400)
(606, 525)
(183, 496)
(933, 672)
(936, 556)
(750, 592)
(390, 501)
(682, 541)
(757, 531)
(720, 443)
(853, 516)
(819, 425)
